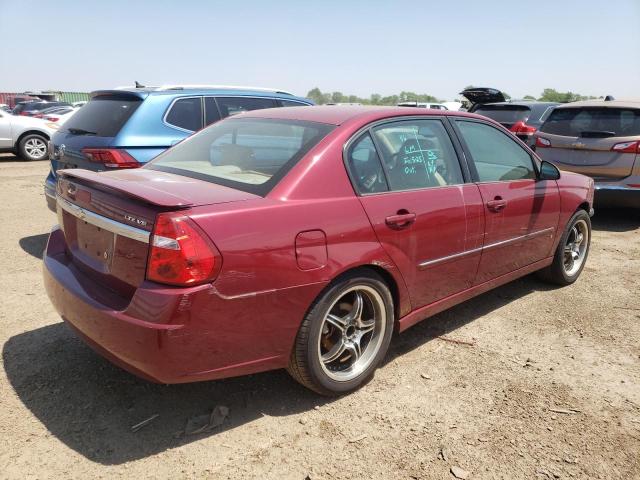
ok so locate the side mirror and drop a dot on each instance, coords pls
(548, 171)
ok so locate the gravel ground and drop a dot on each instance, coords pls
(549, 387)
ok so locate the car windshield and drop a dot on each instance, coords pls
(243, 153)
(593, 121)
(504, 113)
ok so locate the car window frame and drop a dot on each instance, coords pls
(469, 157)
(358, 134)
(274, 99)
(177, 99)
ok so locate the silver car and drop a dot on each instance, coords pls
(600, 139)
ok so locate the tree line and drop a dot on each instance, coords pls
(321, 98)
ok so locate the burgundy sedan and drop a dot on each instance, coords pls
(301, 238)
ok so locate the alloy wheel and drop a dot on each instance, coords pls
(352, 332)
(36, 148)
(575, 248)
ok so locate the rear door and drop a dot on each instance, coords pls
(521, 211)
(427, 218)
(93, 126)
(591, 140)
(5, 130)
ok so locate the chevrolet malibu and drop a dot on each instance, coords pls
(302, 238)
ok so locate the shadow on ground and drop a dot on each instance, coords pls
(34, 244)
(90, 405)
(616, 219)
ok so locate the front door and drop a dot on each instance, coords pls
(521, 211)
(429, 221)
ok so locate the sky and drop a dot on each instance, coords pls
(437, 47)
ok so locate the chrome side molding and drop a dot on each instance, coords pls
(503, 243)
(103, 222)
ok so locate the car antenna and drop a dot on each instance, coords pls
(138, 84)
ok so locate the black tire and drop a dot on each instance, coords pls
(306, 365)
(26, 147)
(557, 272)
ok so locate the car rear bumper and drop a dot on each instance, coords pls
(616, 195)
(177, 335)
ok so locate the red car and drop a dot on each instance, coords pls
(301, 238)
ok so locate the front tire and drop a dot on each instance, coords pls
(571, 254)
(33, 147)
(344, 336)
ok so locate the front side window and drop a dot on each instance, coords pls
(211, 114)
(186, 113)
(365, 166)
(290, 103)
(496, 156)
(248, 154)
(234, 105)
(417, 154)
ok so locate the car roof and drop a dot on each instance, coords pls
(188, 90)
(339, 114)
(524, 103)
(603, 104)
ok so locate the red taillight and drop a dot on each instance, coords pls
(542, 142)
(38, 115)
(626, 147)
(181, 253)
(523, 129)
(111, 157)
(51, 119)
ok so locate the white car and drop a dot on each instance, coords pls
(25, 136)
(54, 120)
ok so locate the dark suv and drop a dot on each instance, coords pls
(522, 117)
(125, 128)
(29, 109)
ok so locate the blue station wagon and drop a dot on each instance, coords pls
(125, 128)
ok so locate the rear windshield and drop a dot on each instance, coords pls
(247, 154)
(103, 116)
(593, 122)
(504, 113)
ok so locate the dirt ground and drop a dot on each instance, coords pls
(549, 388)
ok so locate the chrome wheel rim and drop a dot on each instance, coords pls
(575, 248)
(352, 333)
(36, 148)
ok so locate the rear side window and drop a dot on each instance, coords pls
(289, 103)
(496, 156)
(103, 116)
(505, 113)
(418, 154)
(593, 122)
(186, 113)
(234, 105)
(247, 154)
(365, 166)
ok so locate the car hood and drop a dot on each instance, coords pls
(479, 95)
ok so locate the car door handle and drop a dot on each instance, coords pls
(497, 204)
(400, 220)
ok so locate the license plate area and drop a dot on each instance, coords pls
(94, 245)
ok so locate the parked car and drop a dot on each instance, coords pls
(600, 139)
(55, 120)
(60, 110)
(24, 136)
(433, 106)
(126, 128)
(522, 117)
(30, 108)
(300, 238)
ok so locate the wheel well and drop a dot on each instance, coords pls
(583, 206)
(30, 132)
(386, 277)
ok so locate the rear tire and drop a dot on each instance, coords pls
(344, 336)
(33, 147)
(571, 254)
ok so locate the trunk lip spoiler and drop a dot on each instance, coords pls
(105, 223)
(150, 195)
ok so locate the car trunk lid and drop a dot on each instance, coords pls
(108, 218)
(481, 95)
